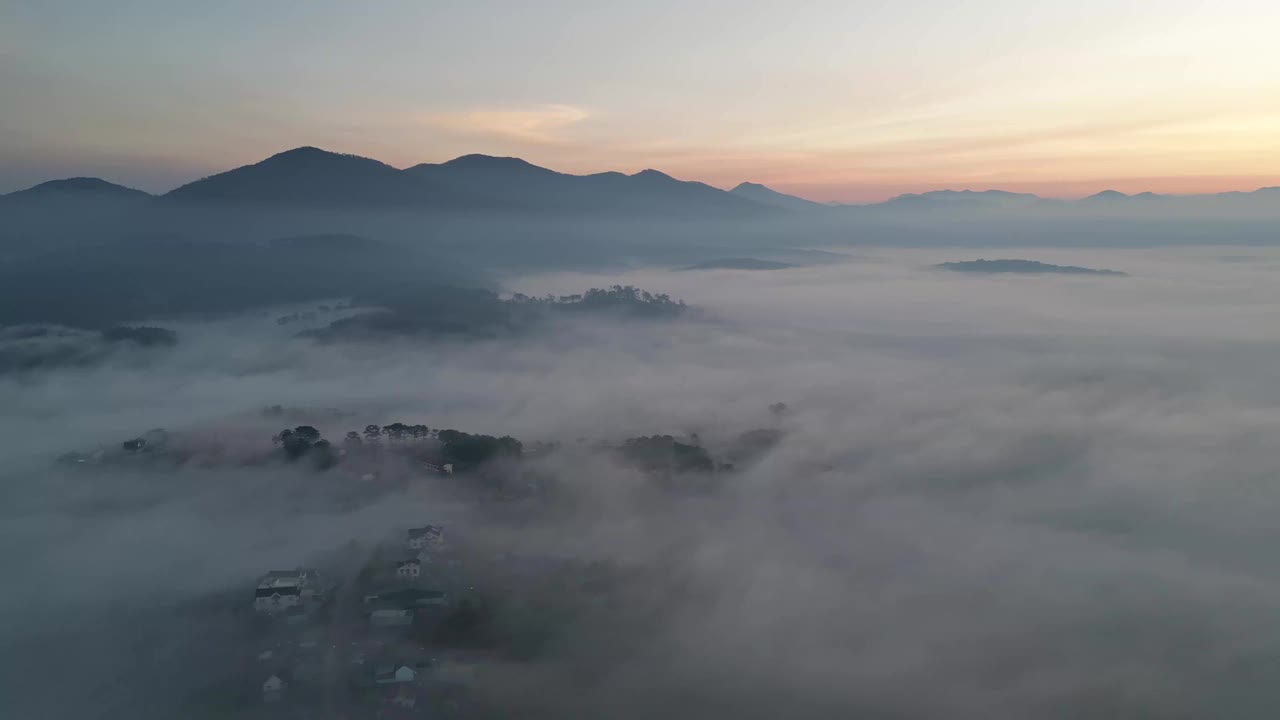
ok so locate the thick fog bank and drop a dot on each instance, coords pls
(994, 496)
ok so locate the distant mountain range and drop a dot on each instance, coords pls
(308, 177)
(1108, 203)
(313, 177)
(1032, 267)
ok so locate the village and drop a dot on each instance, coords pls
(362, 646)
(422, 616)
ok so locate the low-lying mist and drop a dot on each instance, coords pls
(990, 497)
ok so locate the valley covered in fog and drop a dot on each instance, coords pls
(840, 482)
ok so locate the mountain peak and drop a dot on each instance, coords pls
(476, 160)
(305, 175)
(765, 195)
(308, 155)
(651, 174)
(1108, 195)
(80, 186)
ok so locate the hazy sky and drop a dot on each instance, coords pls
(830, 99)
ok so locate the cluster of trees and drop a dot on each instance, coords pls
(613, 296)
(304, 440)
(464, 449)
(454, 446)
(395, 431)
(626, 299)
(442, 311)
(664, 454)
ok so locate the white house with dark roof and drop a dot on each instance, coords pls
(426, 536)
(273, 599)
(409, 569)
(305, 579)
(280, 590)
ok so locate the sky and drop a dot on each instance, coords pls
(832, 100)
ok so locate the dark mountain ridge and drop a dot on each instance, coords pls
(768, 196)
(309, 177)
(1029, 267)
(76, 186)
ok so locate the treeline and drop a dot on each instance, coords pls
(461, 449)
(661, 454)
(664, 454)
(472, 312)
(626, 297)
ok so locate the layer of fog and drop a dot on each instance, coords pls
(997, 496)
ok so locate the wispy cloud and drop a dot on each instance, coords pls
(541, 124)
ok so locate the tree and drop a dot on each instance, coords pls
(352, 439)
(300, 440)
(396, 430)
(662, 453)
(372, 432)
(307, 432)
(466, 449)
(778, 410)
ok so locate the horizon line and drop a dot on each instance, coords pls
(926, 188)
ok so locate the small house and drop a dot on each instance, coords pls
(409, 569)
(394, 674)
(426, 536)
(305, 579)
(276, 599)
(273, 689)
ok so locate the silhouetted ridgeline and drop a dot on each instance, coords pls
(309, 177)
(1021, 266)
(462, 205)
